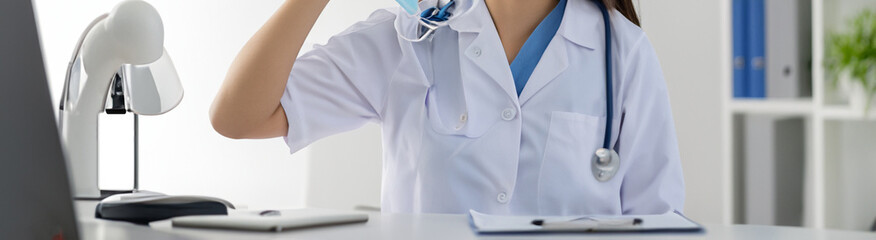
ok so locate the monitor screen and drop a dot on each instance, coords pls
(35, 197)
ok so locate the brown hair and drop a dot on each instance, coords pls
(625, 7)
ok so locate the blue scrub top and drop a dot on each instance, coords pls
(529, 55)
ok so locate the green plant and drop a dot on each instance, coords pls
(855, 52)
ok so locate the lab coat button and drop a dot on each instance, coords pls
(508, 114)
(462, 120)
(476, 51)
(502, 197)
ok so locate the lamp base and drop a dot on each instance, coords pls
(144, 206)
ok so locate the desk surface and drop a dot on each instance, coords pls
(424, 226)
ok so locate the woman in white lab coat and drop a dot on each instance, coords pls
(460, 131)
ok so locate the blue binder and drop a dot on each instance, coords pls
(740, 50)
(756, 50)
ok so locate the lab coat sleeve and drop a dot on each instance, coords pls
(653, 183)
(341, 85)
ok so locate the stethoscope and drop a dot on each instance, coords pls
(605, 161)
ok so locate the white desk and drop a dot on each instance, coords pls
(423, 226)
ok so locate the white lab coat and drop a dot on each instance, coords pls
(455, 134)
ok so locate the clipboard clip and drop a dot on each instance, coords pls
(588, 223)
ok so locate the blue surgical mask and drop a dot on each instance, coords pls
(409, 5)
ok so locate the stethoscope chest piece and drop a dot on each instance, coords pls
(604, 164)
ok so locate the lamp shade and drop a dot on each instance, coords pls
(154, 88)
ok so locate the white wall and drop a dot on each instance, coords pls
(687, 37)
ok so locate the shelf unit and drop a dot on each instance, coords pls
(825, 124)
(792, 107)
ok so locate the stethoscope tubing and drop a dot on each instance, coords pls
(609, 104)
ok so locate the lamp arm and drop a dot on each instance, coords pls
(65, 92)
(80, 118)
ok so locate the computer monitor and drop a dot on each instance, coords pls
(35, 197)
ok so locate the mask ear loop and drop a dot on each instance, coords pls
(423, 24)
(430, 20)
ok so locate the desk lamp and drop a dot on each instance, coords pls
(123, 49)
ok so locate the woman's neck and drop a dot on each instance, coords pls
(516, 19)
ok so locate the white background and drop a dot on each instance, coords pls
(181, 154)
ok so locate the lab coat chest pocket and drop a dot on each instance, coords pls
(566, 184)
(451, 111)
(456, 103)
(445, 105)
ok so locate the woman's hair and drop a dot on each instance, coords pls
(625, 7)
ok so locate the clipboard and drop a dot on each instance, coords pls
(667, 222)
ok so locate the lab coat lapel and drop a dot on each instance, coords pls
(489, 57)
(553, 62)
(580, 20)
(479, 42)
